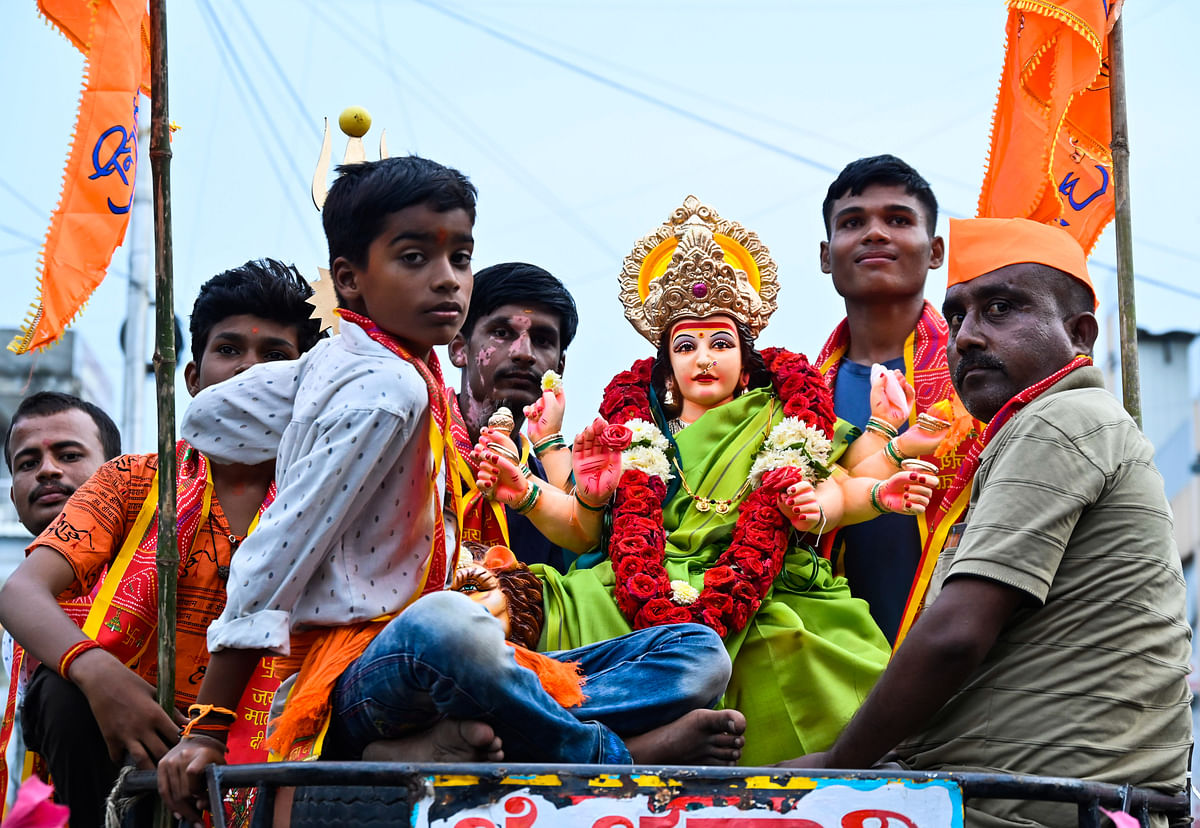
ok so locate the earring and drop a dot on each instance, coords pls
(668, 396)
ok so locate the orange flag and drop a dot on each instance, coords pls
(1050, 159)
(93, 210)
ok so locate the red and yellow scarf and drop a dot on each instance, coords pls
(926, 370)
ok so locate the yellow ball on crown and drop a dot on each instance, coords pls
(354, 121)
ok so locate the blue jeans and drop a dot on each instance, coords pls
(445, 656)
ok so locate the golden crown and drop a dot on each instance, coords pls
(697, 264)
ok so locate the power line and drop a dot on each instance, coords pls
(301, 109)
(20, 196)
(629, 90)
(19, 234)
(472, 135)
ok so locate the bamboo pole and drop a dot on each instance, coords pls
(1130, 375)
(164, 354)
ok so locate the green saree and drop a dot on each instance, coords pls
(808, 657)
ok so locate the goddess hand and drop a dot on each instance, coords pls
(545, 416)
(597, 468)
(499, 476)
(799, 505)
(917, 442)
(891, 396)
(906, 492)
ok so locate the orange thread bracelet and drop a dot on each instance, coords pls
(73, 652)
(199, 712)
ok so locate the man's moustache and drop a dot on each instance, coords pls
(973, 361)
(49, 488)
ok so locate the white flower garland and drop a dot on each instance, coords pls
(648, 451)
(793, 443)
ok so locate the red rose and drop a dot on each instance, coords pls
(631, 545)
(712, 601)
(761, 539)
(643, 587)
(743, 593)
(741, 612)
(615, 437)
(751, 565)
(715, 621)
(653, 613)
(719, 578)
(627, 568)
(679, 615)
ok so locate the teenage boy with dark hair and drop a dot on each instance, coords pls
(880, 222)
(360, 531)
(518, 326)
(98, 705)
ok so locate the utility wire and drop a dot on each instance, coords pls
(472, 133)
(21, 197)
(229, 57)
(19, 234)
(301, 110)
(629, 90)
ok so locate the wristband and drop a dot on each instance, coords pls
(587, 505)
(531, 497)
(208, 720)
(884, 429)
(73, 652)
(875, 499)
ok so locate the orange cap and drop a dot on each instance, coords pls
(979, 246)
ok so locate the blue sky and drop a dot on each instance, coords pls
(583, 124)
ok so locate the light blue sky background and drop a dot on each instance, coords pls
(583, 124)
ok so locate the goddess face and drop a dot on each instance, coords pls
(483, 587)
(706, 360)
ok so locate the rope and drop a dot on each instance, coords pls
(117, 805)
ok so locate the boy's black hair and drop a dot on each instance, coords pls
(887, 170)
(517, 283)
(363, 195)
(45, 403)
(262, 287)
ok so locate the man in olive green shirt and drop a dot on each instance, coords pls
(1054, 640)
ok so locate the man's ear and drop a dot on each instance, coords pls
(1083, 329)
(937, 252)
(562, 363)
(458, 351)
(191, 378)
(826, 262)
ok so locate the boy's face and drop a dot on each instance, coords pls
(880, 247)
(416, 283)
(237, 342)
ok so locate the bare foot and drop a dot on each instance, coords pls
(450, 740)
(702, 737)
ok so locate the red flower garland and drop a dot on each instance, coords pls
(734, 587)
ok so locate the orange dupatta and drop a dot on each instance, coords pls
(93, 209)
(1049, 158)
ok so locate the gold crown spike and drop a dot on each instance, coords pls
(697, 264)
(354, 122)
(323, 301)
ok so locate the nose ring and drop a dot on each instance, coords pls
(704, 366)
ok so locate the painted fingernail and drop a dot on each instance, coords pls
(914, 476)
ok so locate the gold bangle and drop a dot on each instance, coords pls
(882, 428)
(530, 499)
(509, 453)
(894, 454)
(875, 499)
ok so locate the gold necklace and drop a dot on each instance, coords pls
(721, 507)
(704, 504)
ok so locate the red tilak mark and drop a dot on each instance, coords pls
(254, 331)
(441, 235)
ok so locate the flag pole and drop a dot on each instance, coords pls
(164, 354)
(1130, 379)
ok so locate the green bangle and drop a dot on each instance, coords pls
(893, 453)
(587, 505)
(554, 441)
(875, 499)
(531, 497)
(882, 428)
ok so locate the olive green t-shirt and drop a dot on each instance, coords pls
(1087, 679)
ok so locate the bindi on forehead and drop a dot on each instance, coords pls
(441, 235)
(700, 330)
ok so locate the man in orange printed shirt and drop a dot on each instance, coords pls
(86, 719)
